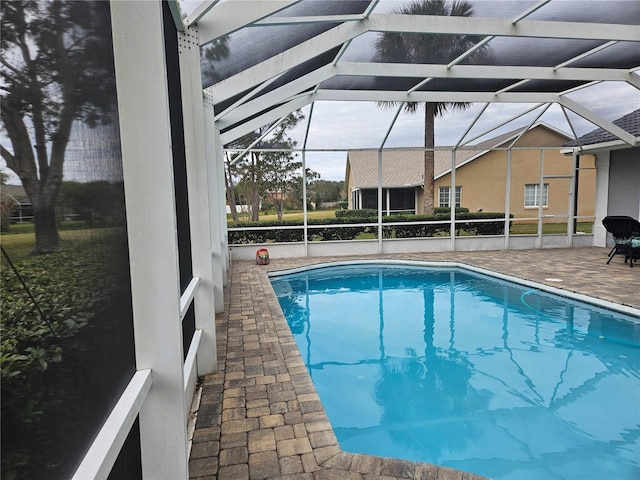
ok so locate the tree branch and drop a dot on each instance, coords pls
(7, 155)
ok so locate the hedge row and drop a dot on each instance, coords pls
(318, 233)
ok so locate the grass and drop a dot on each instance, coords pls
(293, 215)
(547, 228)
(20, 245)
(20, 228)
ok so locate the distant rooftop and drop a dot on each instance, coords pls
(405, 168)
(629, 123)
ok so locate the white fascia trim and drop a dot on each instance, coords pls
(480, 71)
(286, 60)
(270, 116)
(598, 120)
(503, 27)
(599, 147)
(229, 16)
(277, 96)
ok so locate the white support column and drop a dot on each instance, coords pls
(305, 220)
(540, 200)
(573, 185)
(507, 201)
(138, 43)
(198, 189)
(219, 245)
(603, 161)
(380, 200)
(388, 201)
(452, 201)
(217, 257)
(222, 200)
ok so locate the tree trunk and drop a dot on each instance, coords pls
(428, 297)
(255, 188)
(255, 205)
(279, 204)
(44, 219)
(429, 156)
(231, 194)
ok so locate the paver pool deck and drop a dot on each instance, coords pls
(259, 415)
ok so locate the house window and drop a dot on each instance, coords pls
(369, 199)
(532, 194)
(402, 200)
(444, 196)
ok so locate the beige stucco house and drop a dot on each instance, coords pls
(480, 177)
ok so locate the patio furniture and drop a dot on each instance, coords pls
(626, 235)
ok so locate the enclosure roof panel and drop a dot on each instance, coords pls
(259, 57)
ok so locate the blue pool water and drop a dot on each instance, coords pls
(460, 369)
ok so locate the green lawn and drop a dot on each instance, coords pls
(547, 228)
(19, 245)
(292, 215)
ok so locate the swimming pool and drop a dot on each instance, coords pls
(456, 368)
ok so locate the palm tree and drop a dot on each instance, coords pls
(399, 47)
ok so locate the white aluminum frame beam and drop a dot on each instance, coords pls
(286, 60)
(229, 16)
(104, 451)
(174, 7)
(419, 96)
(502, 27)
(322, 74)
(264, 119)
(219, 253)
(480, 71)
(200, 11)
(277, 96)
(587, 114)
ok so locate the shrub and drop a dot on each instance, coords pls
(367, 213)
(447, 210)
(346, 217)
(43, 349)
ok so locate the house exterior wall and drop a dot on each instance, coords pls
(348, 184)
(483, 179)
(624, 183)
(483, 183)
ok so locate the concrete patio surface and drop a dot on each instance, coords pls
(260, 417)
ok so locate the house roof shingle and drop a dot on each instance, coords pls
(405, 168)
(629, 123)
(16, 192)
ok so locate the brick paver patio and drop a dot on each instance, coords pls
(260, 416)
